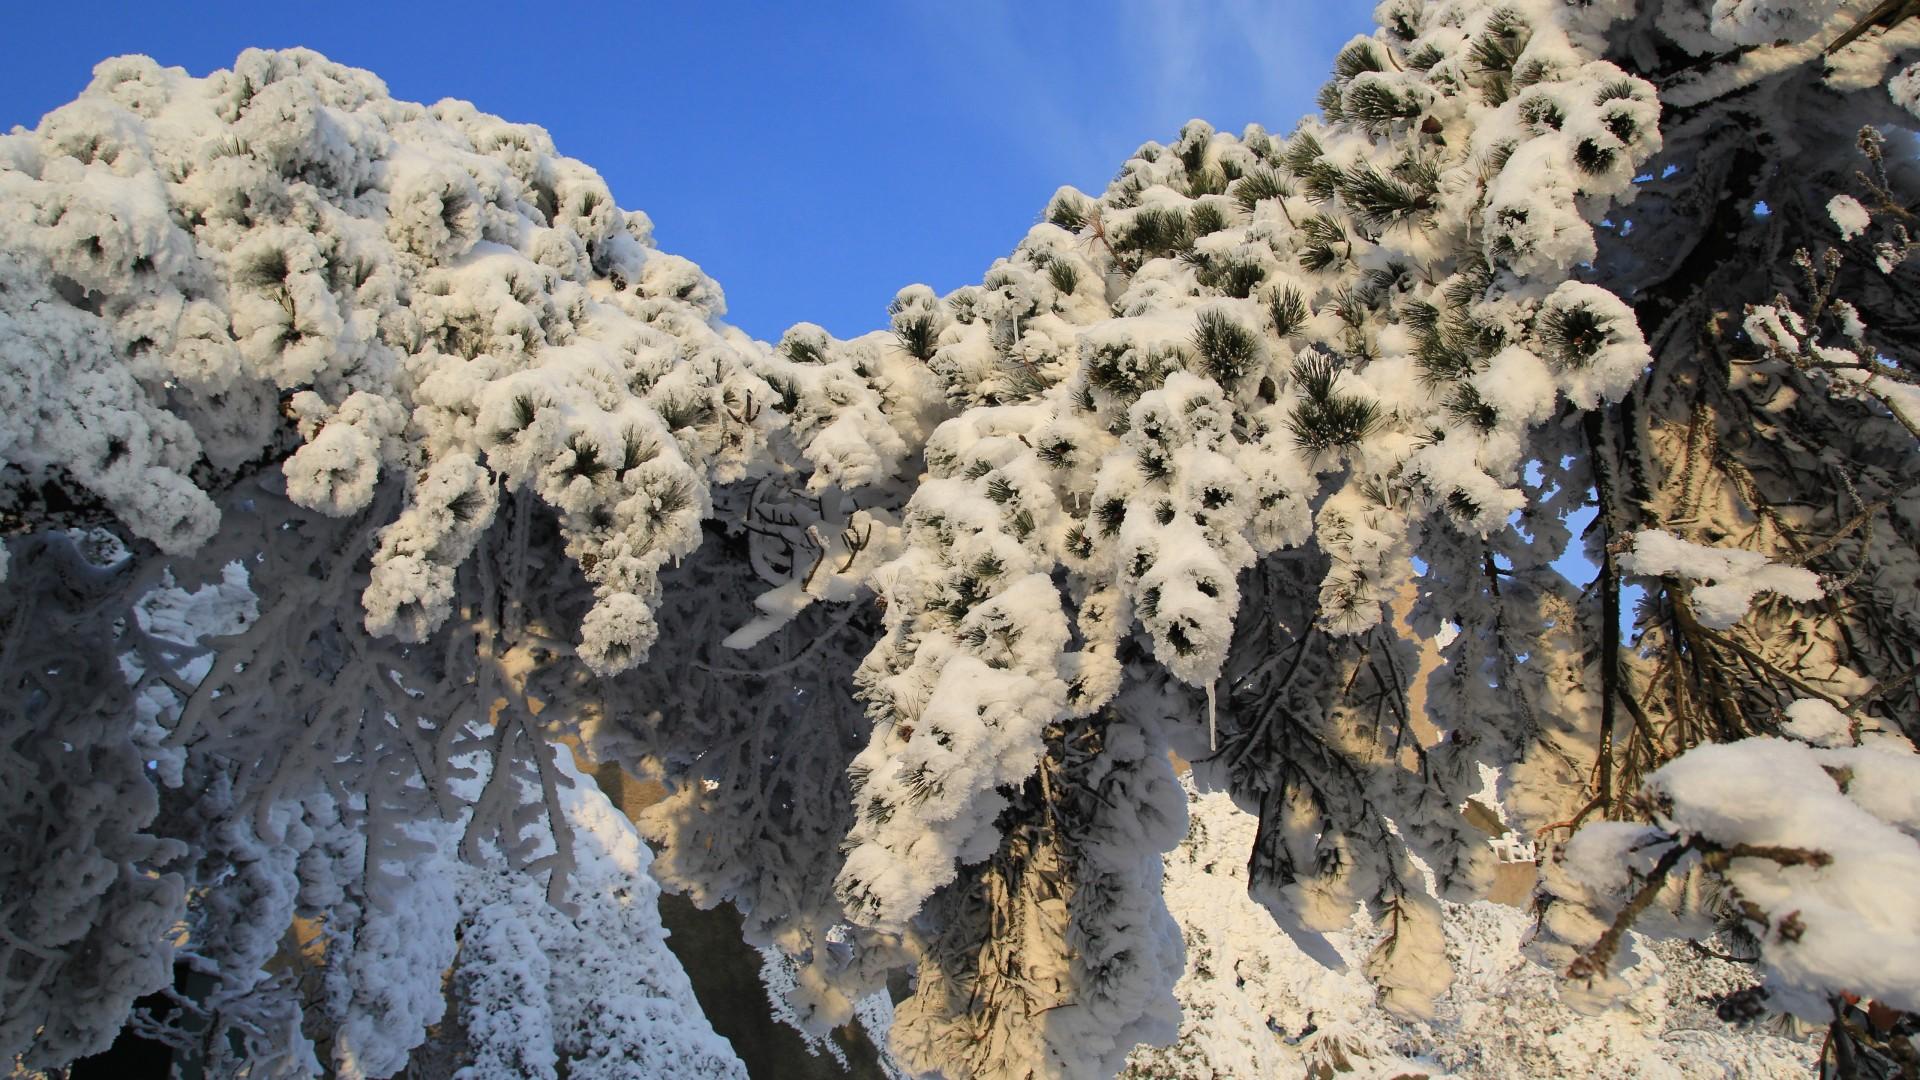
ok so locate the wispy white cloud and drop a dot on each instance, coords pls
(1077, 88)
(1259, 59)
(1008, 54)
(1174, 34)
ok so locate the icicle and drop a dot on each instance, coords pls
(1213, 741)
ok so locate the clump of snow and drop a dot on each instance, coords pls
(1848, 216)
(610, 1013)
(1594, 343)
(1901, 398)
(1815, 850)
(1904, 88)
(1760, 22)
(1817, 722)
(1732, 578)
(873, 1012)
(539, 992)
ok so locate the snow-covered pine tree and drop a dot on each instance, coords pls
(1151, 483)
(1531, 260)
(288, 336)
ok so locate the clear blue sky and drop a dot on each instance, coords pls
(812, 158)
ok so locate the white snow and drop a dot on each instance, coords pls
(1255, 1005)
(1848, 216)
(1347, 348)
(1731, 578)
(1841, 918)
(1818, 722)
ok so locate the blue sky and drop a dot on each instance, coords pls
(812, 158)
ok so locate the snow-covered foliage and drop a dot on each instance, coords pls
(1254, 1004)
(1063, 918)
(1245, 346)
(1734, 576)
(1812, 853)
(874, 1013)
(332, 917)
(281, 260)
(908, 623)
(752, 746)
(540, 988)
(88, 918)
(532, 988)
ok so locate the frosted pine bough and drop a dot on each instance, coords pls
(431, 295)
(1254, 1004)
(1152, 482)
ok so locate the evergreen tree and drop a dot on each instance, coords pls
(481, 474)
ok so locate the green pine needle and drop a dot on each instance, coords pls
(1141, 562)
(635, 451)
(1331, 102)
(1377, 107)
(1620, 122)
(1591, 157)
(1467, 407)
(1325, 420)
(679, 413)
(1068, 212)
(1337, 422)
(1236, 278)
(1573, 335)
(1302, 153)
(1228, 351)
(1362, 55)
(1381, 201)
(675, 498)
(1327, 243)
(1157, 231)
(465, 506)
(1425, 57)
(916, 335)
(1541, 111)
(586, 459)
(1149, 605)
(1063, 276)
(1257, 187)
(802, 351)
(1206, 182)
(1288, 311)
(1153, 463)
